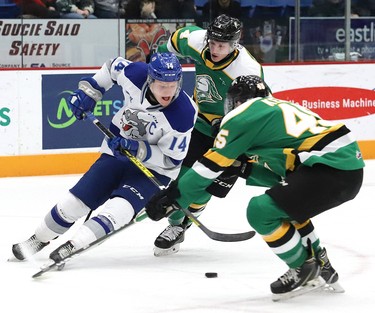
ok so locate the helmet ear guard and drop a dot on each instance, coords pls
(244, 88)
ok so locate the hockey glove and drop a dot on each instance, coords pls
(163, 203)
(85, 97)
(140, 149)
(241, 167)
(221, 186)
(215, 126)
(148, 56)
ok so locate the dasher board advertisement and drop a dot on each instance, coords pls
(324, 38)
(59, 43)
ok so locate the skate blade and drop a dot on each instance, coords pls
(312, 285)
(12, 258)
(333, 288)
(163, 252)
(60, 266)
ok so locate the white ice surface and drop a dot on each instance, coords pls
(122, 275)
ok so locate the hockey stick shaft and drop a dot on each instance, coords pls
(211, 234)
(125, 152)
(88, 216)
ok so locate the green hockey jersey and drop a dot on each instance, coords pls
(212, 80)
(276, 136)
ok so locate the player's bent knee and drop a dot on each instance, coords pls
(251, 213)
(118, 211)
(257, 210)
(71, 208)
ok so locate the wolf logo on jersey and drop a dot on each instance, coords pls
(206, 89)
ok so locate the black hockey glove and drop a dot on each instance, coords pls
(221, 186)
(215, 126)
(240, 168)
(163, 203)
(148, 56)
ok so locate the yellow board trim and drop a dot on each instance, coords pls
(367, 148)
(46, 164)
(77, 163)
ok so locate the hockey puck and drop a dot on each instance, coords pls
(211, 275)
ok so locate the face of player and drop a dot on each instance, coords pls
(230, 105)
(164, 91)
(219, 50)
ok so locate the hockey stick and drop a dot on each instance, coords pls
(88, 216)
(46, 268)
(211, 234)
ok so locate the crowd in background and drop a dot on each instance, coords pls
(172, 9)
(134, 9)
(266, 32)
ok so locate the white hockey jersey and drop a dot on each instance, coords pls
(167, 130)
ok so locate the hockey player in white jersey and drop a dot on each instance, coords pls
(155, 125)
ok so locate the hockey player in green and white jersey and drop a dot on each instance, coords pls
(311, 165)
(218, 58)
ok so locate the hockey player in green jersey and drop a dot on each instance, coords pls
(218, 58)
(311, 165)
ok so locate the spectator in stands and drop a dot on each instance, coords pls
(214, 8)
(38, 8)
(75, 8)
(110, 8)
(175, 9)
(363, 7)
(326, 8)
(139, 9)
(186, 9)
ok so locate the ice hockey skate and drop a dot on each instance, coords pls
(28, 248)
(58, 255)
(298, 281)
(168, 242)
(328, 273)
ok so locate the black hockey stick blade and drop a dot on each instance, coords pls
(219, 236)
(211, 234)
(52, 265)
